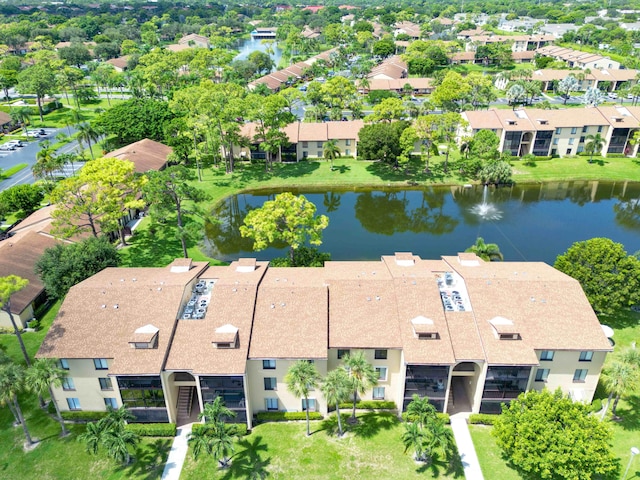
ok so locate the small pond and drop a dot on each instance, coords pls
(246, 46)
(532, 222)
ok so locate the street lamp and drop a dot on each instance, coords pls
(634, 452)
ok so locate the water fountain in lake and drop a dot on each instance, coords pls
(486, 210)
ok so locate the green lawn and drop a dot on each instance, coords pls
(491, 462)
(282, 451)
(9, 172)
(54, 457)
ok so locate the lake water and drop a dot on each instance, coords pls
(246, 46)
(533, 223)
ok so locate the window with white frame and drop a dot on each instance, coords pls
(380, 355)
(542, 374)
(546, 355)
(270, 383)
(586, 356)
(73, 403)
(271, 404)
(555, 141)
(62, 363)
(111, 402)
(378, 393)
(574, 130)
(100, 364)
(268, 364)
(580, 375)
(67, 384)
(382, 373)
(105, 383)
(311, 402)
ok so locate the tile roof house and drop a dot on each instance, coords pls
(578, 59)
(193, 39)
(145, 154)
(146, 337)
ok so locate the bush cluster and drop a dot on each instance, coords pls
(442, 416)
(82, 416)
(368, 405)
(153, 429)
(482, 419)
(286, 416)
(241, 428)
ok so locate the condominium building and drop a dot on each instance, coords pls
(468, 334)
(560, 132)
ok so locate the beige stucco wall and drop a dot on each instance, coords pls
(286, 400)
(21, 319)
(562, 369)
(87, 386)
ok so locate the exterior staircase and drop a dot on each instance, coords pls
(185, 400)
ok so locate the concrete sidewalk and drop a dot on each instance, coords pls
(178, 453)
(465, 447)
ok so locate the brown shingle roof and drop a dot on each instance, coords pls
(145, 154)
(100, 315)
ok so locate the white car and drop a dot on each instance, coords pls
(7, 146)
(33, 134)
(612, 95)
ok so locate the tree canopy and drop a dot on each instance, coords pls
(549, 436)
(287, 218)
(609, 276)
(64, 265)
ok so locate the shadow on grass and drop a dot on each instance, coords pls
(621, 319)
(148, 460)
(369, 424)
(441, 466)
(629, 413)
(249, 463)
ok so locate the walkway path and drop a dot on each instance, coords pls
(177, 454)
(465, 447)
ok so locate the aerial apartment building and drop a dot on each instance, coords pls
(468, 334)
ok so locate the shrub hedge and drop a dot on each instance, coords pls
(482, 418)
(82, 416)
(153, 429)
(241, 428)
(596, 405)
(369, 405)
(286, 416)
(442, 416)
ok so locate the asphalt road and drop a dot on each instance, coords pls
(27, 154)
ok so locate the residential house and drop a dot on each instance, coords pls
(592, 78)
(419, 86)
(471, 335)
(389, 69)
(407, 28)
(120, 64)
(145, 154)
(558, 132)
(578, 59)
(195, 40)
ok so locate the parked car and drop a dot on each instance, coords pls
(33, 134)
(612, 95)
(42, 132)
(7, 146)
(16, 143)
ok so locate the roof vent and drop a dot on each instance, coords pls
(424, 328)
(226, 336)
(542, 121)
(246, 265)
(180, 265)
(145, 337)
(510, 121)
(404, 259)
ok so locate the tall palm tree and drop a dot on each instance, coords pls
(222, 438)
(8, 286)
(43, 375)
(215, 411)
(336, 389)
(46, 162)
(12, 383)
(420, 410)
(301, 378)
(439, 438)
(413, 438)
(362, 376)
(21, 116)
(331, 151)
(118, 416)
(87, 134)
(489, 252)
(594, 145)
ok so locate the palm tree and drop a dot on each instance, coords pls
(336, 389)
(331, 151)
(362, 376)
(222, 442)
(118, 417)
(86, 133)
(200, 441)
(117, 440)
(439, 438)
(46, 162)
(489, 252)
(413, 438)
(21, 116)
(8, 286)
(301, 378)
(618, 378)
(41, 377)
(594, 145)
(215, 411)
(93, 436)
(12, 383)
(420, 410)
